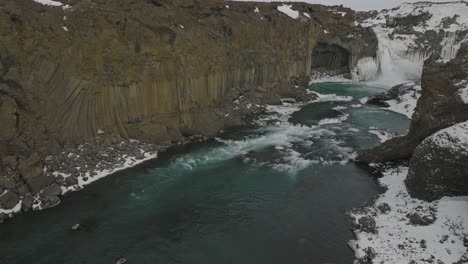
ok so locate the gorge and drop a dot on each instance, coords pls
(254, 132)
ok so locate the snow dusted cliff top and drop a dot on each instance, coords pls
(439, 13)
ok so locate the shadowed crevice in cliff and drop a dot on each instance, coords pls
(330, 57)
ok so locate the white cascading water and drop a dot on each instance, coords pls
(397, 59)
(392, 66)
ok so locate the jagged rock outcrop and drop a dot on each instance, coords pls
(439, 106)
(157, 71)
(396, 93)
(439, 165)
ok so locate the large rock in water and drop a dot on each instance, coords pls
(440, 106)
(439, 166)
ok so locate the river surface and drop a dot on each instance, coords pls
(279, 193)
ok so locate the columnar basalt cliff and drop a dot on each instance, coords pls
(158, 71)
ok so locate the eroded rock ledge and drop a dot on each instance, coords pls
(160, 72)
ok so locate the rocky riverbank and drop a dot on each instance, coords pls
(44, 181)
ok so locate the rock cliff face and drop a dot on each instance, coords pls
(153, 70)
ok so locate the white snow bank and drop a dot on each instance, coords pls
(52, 3)
(287, 9)
(49, 2)
(129, 162)
(399, 242)
(13, 210)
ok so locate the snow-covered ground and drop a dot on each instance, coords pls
(406, 104)
(397, 241)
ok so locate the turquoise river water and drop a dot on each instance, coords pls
(279, 193)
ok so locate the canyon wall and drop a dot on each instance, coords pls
(152, 70)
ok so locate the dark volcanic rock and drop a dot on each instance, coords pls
(8, 200)
(27, 202)
(367, 224)
(439, 166)
(417, 219)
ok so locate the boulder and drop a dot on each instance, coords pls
(439, 166)
(7, 182)
(10, 162)
(51, 190)
(421, 220)
(8, 200)
(367, 224)
(31, 170)
(50, 196)
(27, 203)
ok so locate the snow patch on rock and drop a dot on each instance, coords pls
(454, 137)
(287, 9)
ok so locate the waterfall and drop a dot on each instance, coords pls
(403, 48)
(397, 62)
(366, 69)
(450, 46)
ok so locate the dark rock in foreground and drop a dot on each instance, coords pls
(439, 166)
